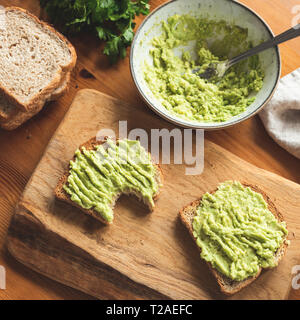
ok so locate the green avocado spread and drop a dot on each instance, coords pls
(236, 231)
(185, 94)
(97, 177)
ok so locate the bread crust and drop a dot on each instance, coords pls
(61, 194)
(42, 96)
(63, 87)
(227, 285)
(5, 116)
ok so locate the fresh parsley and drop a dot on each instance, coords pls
(111, 20)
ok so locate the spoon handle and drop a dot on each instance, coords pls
(285, 36)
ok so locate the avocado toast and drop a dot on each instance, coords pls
(144, 180)
(228, 285)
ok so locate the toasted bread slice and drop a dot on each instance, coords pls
(61, 194)
(227, 285)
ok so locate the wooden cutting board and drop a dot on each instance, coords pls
(141, 255)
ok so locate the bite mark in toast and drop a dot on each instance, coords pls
(62, 195)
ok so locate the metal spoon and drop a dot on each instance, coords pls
(218, 69)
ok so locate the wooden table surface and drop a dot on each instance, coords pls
(21, 149)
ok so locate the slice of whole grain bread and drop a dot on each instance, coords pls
(227, 285)
(9, 111)
(61, 194)
(20, 117)
(15, 117)
(33, 58)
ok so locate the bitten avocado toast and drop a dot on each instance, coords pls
(101, 171)
(238, 231)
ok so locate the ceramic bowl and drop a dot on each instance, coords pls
(231, 12)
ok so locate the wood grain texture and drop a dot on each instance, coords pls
(22, 149)
(141, 255)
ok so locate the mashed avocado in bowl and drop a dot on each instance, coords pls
(184, 93)
(183, 35)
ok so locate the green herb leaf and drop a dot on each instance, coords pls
(110, 20)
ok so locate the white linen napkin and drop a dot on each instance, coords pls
(281, 116)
